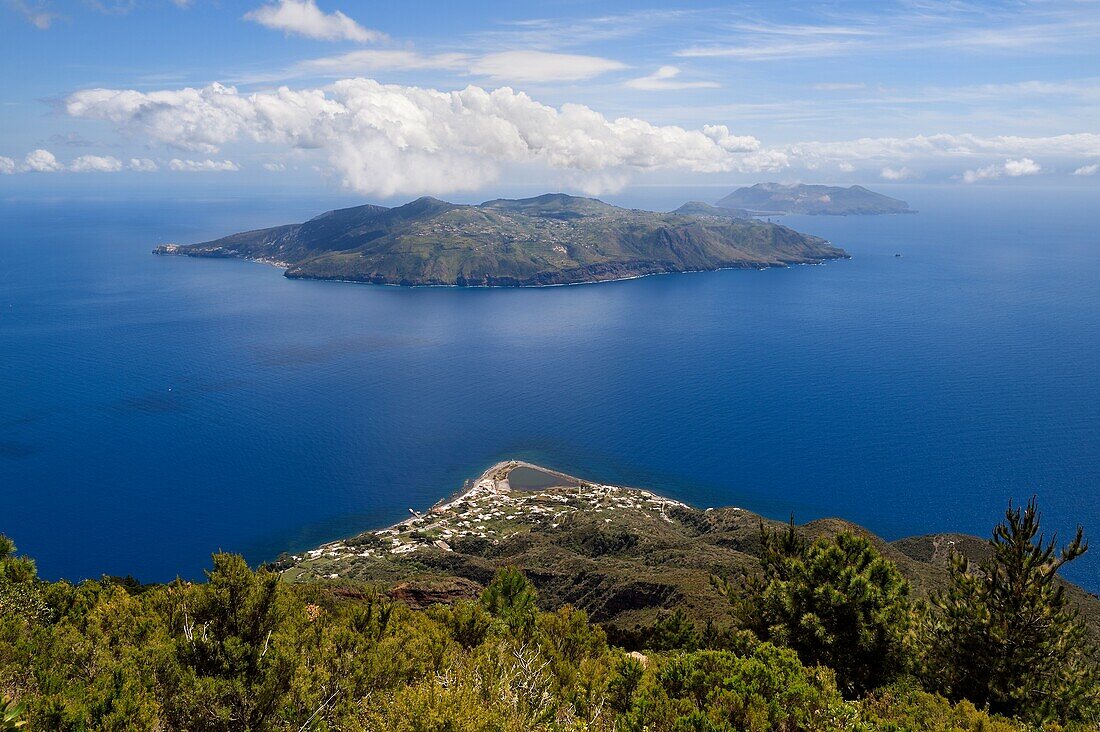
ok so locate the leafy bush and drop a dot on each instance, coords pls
(905, 707)
(722, 691)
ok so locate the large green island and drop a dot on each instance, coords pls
(554, 239)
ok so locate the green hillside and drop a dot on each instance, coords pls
(546, 240)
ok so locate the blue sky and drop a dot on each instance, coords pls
(402, 99)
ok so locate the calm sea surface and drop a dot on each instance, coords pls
(153, 410)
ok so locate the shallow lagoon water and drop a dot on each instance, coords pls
(156, 409)
(529, 479)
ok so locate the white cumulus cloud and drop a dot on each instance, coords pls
(304, 18)
(41, 161)
(1083, 170)
(896, 173)
(143, 165)
(7, 165)
(96, 164)
(664, 79)
(1023, 166)
(1011, 168)
(729, 142)
(202, 166)
(989, 172)
(389, 139)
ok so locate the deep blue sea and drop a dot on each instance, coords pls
(155, 409)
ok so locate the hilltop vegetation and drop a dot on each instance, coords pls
(813, 200)
(547, 240)
(245, 651)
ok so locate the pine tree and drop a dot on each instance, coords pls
(1005, 634)
(836, 602)
(511, 598)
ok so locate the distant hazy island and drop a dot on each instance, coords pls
(777, 198)
(552, 239)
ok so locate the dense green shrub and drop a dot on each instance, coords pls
(722, 691)
(905, 707)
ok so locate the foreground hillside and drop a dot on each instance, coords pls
(548, 240)
(623, 555)
(812, 200)
(821, 636)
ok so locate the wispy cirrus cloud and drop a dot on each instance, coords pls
(304, 18)
(760, 51)
(505, 66)
(940, 147)
(666, 79)
(112, 7)
(557, 33)
(839, 86)
(542, 66)
(39, 14)
(370, 60)
(906, 28)
(1087, 89)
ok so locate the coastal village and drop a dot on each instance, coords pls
(507, 499)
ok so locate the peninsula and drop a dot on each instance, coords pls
(553, 239)
(778, 198)
(621, 554)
